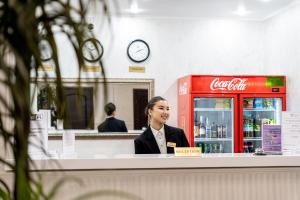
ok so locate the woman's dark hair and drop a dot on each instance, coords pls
(152, 102)
(109, 108)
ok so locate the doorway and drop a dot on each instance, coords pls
(140, 100)
(79, 108)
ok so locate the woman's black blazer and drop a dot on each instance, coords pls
(146, 143)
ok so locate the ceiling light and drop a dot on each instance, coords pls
(241, 10)
(265, 0)
(134, 8)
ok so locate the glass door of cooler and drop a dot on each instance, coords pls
(258, 111)
(213, 124)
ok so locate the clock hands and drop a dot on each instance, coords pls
(139, 50)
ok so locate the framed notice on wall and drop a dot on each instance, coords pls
(290, 132)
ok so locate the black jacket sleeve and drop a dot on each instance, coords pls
(184, 141)
(124, 128)
(139, 147)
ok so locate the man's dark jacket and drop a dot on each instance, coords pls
(112, 124)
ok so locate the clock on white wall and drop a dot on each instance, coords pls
(45, 50)
(138, 50)
(92, 49)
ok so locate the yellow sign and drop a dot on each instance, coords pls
(46, 68)
(187, 151)
(91, 68)
(138, 69)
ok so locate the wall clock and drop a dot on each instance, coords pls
(45, 50)
(138, 50)
(92, 50)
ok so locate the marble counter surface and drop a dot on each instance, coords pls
(93, 133)
(131, 161)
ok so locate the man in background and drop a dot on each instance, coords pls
(111, 124)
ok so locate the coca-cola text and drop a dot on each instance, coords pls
(234, 84)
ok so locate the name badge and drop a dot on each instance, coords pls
(171, 144)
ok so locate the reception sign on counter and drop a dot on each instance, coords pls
(187, 151)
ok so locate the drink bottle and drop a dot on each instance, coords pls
(214, 130)
(208, 129)
(202, 128)
(224, 131)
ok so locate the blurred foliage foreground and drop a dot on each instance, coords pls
(24, 24)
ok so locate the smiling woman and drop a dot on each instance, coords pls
(159, 137)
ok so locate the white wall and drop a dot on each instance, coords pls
(199, 46)
(282, 51)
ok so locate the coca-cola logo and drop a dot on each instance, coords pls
(183, 88)
(234, 84)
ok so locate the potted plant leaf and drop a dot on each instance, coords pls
(46, 99)
(23, 26)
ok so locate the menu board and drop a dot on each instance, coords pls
(291, 132)
(271, 138)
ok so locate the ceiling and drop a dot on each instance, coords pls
(257, 9)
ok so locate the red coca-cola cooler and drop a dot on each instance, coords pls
(224, 114)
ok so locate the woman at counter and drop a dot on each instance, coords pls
(159, 137)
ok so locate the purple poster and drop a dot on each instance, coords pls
(271, 140)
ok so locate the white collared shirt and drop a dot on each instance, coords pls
(160, 138)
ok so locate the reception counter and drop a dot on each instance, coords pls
(165, 161)
(165, 177)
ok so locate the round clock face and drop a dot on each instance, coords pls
(45, 50)
(138, 50)
(92, 50)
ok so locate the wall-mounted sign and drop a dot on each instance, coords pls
(88, 68)
(138, 69)
(46, 68)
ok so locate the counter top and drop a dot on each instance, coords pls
(94, 133)
(160, 161)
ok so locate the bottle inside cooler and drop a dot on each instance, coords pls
(214, 130)
(248, 125)
(257, 126)
(248, 103)
(208, 128)
(264, 111)
(202, 128)
(215, 117)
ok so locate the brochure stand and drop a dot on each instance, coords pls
(38, 137)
